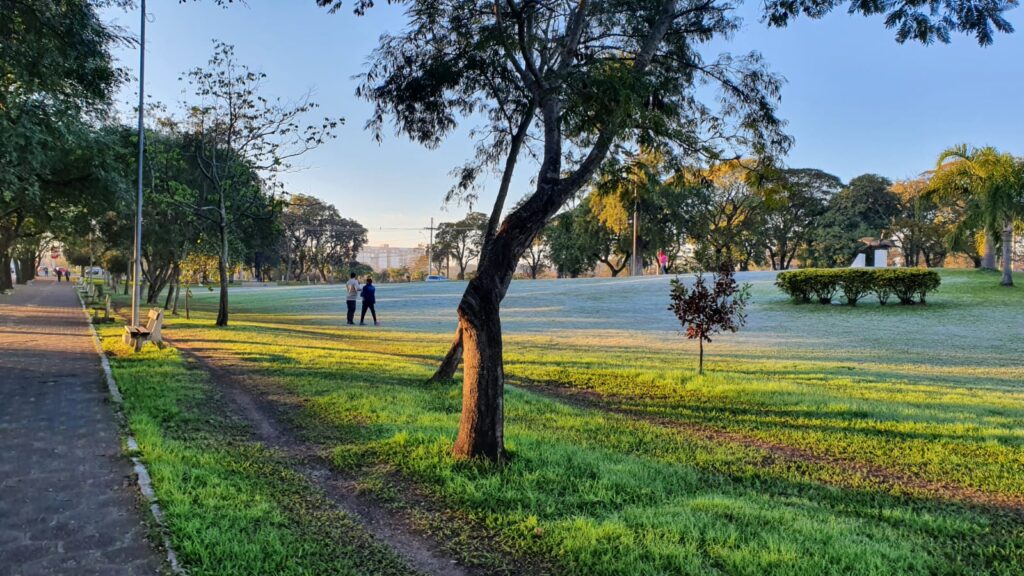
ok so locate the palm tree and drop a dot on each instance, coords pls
(990, 186)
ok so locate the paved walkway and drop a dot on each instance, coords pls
(68, 504)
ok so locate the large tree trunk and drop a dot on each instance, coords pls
(1007, 255)
(481, 427)
(170, 296)
(222, 265)
(481, 424)
(156, 286)
(988, 258)
(177, 293)
(5, 272)
(26, 269)
(222, 272)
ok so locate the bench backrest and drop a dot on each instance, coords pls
(154, 322)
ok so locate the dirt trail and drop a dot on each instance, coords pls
(892, 480)
(265, 416)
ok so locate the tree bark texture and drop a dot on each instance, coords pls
(222, 306)
(5, 273)
(177, 292)
(988, 259)
(1007, 255)
(26, 270)
(481, 427)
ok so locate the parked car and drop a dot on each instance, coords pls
(435, 278)
(94, 272)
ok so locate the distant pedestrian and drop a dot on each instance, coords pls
(57, 272)
(369, 299)
(351, 294)
(663, 261)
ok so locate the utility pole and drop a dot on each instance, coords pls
(637, 266)
(137, 252)
(430, 246)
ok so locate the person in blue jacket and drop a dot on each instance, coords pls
(369, 299)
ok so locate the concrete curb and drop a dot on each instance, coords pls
(143, 479)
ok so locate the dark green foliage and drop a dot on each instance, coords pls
(792, 202)
(56, 78)
(910, 285)
(824, 287)
(576, 240)
(865, 208)
(923, 21)
(856, 283)
(317, 240)
(796, 285)
(460, 241)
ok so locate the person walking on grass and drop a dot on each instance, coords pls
(351, 293)
(369, 299)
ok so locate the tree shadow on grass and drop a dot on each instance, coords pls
(559, 462)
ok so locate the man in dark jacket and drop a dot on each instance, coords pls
(369, 299)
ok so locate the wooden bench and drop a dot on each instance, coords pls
(107, 311)
(137, 336)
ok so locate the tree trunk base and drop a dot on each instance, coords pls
(481, 426)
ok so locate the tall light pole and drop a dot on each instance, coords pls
(637, 266)
(137, 252)
(430, 246)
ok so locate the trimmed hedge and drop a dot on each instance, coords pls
(910, 285)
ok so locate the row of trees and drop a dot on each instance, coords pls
(317, 240)
(758, 216)
(56, 81)
(210, 176)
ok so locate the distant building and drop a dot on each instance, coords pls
(385, 256)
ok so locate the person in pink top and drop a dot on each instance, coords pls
(663, 261)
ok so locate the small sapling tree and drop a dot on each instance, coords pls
(705, 310)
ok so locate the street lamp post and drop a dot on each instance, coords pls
(637, 262)
(137, 252)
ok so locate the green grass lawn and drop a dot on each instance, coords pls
(231, 506)
(824, 440)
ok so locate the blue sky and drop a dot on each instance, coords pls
(856, 101)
